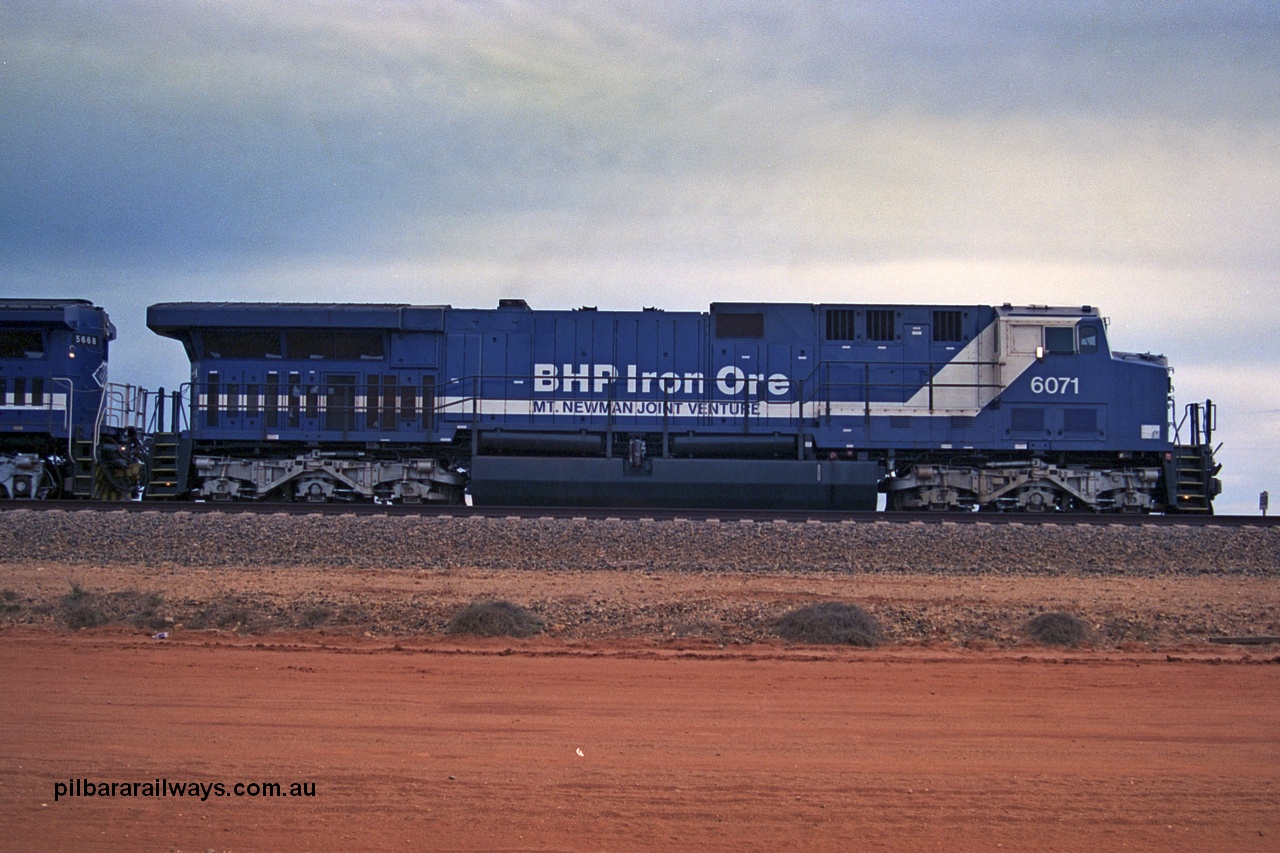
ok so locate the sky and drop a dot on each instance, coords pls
(666, 153)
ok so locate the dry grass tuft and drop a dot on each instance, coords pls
(1058, 629)
(832, 622)
(83, 608)
(494, 619)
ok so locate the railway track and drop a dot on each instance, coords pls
(650, 514)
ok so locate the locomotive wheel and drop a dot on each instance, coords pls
(1038, 500)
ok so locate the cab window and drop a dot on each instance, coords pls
(21, 343)
(1060, 340)
(1088, 340)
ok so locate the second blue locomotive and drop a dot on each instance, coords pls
(65, 431)
(745, 405)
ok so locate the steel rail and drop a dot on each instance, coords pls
(766, 516)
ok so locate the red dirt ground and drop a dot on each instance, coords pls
(617, 745)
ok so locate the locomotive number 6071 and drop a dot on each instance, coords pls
(1055, 385)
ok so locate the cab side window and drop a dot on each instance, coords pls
(1060, 340)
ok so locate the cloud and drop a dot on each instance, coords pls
(251, 129)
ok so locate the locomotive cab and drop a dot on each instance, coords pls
(1077, 426)
(53, 394)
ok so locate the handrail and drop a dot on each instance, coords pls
(178, 418)
(466, 399)
(67, 415)
(1204, 420)
(461, 400)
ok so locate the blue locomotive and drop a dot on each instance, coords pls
(745, 405)
(64, 430)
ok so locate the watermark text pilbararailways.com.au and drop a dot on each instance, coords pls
(184, 789)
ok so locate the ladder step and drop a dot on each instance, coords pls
(166, 468)
(82, 469)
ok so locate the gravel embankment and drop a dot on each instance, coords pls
(216, 539)
(972, 584)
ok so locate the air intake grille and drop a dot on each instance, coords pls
(948, 326)
(840, 324)
(880, 326)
